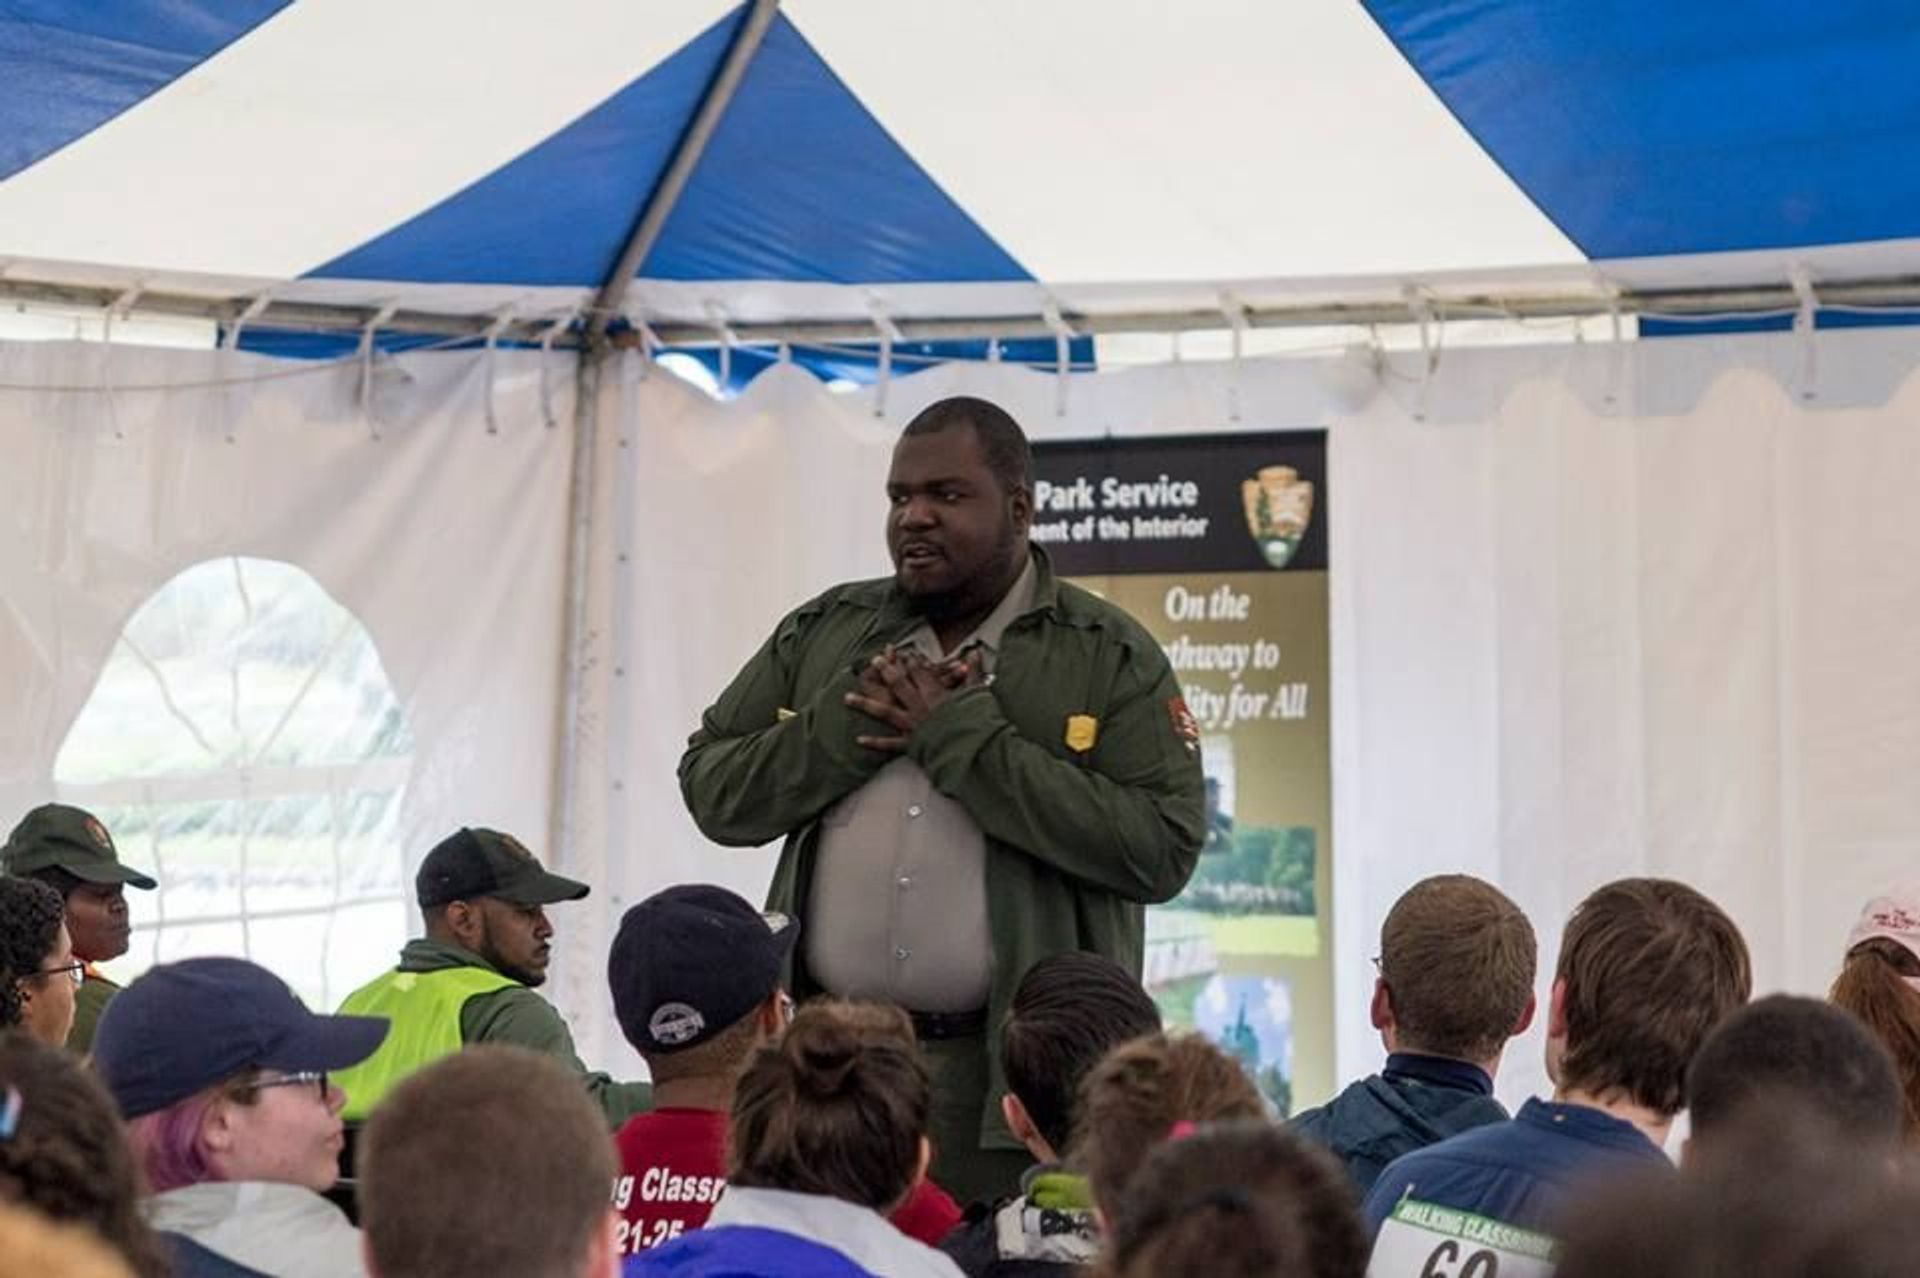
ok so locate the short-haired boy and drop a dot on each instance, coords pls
(1457, 961)
(696, 978)
(1648, 968)
(1068, 1012)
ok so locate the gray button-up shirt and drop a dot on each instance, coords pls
(898, 908)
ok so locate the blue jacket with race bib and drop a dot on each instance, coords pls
(1518, 1174)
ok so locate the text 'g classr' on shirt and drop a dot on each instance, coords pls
(673, 1170)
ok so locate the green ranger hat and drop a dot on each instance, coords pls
(54, 834)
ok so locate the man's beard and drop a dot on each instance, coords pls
(500, 964)
(995, 580)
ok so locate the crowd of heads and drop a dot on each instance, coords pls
(210, 1070)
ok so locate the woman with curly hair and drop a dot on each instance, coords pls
(63, 1152)
(38, 973)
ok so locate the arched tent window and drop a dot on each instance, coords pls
(245, 747)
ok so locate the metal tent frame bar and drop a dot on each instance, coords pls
(604, 316)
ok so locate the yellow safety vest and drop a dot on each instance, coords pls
(424, 1011)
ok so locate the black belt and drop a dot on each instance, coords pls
(938, 1025)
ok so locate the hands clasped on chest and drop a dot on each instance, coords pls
(901, 688)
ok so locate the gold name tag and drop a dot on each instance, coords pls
(1082, 731)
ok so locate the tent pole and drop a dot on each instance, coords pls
(673, 183)
(563, 822)
(580, 498)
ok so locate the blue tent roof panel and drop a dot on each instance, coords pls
(1644, 128)
(66, 69)
(560, 213)
(801, 182)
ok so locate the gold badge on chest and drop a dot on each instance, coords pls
(1082, 731)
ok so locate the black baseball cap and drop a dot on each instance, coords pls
(183, 1027)
(470, 863)
(56, 835)
(690, 962)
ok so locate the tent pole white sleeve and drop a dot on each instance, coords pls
(563, 820)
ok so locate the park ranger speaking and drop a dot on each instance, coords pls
(973, 764)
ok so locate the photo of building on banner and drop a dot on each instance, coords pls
(1217, 545)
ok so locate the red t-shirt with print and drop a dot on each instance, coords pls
(673, 1168)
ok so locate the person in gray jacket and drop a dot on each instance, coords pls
(1456, 970)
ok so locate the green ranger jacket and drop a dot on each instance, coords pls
(1078, 842)
(88, 1002)
(515, 1014)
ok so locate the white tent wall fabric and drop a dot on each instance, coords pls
(1596, 611)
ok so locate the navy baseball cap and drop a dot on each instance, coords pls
(690, 962)
(184, 1027)
(472, 862)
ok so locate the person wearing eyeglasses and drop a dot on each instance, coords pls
(69, 850)
(38, 973)
(222, 1076)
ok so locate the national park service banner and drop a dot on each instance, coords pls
(1218, 546)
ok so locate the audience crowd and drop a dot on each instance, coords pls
(203, 1123)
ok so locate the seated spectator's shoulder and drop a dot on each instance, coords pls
(973, 1245)
(742, 1251)
(517, 1016)
(1451, 1170)
(191, 1260)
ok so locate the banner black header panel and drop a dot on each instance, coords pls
(1212, 503)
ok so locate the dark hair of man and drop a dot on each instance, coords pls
(1068, 1011)
(1650, 966)
(489, 1161)
(1804, 1051)
(1873, 987)
(1458, 958)
(1003, 445)
(30, 917)
(1237, 1200)
(837, 1107)
(723, 1055)
(1133, 1098)
(68, 1158)
(1780, 1201)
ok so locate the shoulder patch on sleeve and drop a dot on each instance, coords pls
(1185, 726)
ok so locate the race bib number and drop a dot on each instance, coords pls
(1425, 1240)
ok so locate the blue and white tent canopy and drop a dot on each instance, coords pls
(920, 159)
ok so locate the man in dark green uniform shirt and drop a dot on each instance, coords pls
(973, 764)
(71, 852)
(471, 979)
